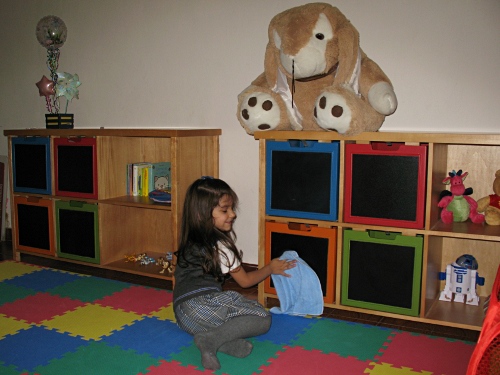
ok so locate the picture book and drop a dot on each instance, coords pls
(161, 176)
(144, 177)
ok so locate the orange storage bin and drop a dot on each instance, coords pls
(35, 225)
(316, 246)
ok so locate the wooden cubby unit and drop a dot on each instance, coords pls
(127, 224)
(475, 153)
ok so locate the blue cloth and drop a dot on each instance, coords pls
(301, 293)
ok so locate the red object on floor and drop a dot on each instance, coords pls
(486, 356)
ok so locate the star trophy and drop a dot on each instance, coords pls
(51, 33)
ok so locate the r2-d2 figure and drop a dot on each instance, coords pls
(461, 278)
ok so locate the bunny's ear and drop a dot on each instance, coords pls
(349, 53)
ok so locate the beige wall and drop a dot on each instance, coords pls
(162, 63)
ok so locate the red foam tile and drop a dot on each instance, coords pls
(176, 368)
(298, 361)
(39, 307)
(138, 299)
(423, 353)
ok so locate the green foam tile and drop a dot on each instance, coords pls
(344, 338)
(8, 370)
(262, 351)
(99, 358)
(89, 289)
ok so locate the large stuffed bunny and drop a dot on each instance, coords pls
(316, 77)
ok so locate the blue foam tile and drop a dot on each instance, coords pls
(43, 280)
(36, 346)
(285, 328)
(164, 338)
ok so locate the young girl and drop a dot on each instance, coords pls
(219, 320)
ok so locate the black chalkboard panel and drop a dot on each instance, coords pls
(384, 186)
(76, 172)
(77, 231)
(313, 250)
(381, 273)
(33, 226)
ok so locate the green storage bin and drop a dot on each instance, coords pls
(382, 271)
(77, 231)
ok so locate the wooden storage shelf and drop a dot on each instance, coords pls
(143, 202)
(151, 270)
(127, 224)
(443, 243)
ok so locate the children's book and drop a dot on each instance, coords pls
(161, 177)
(144, 177)
(129, 178)
(137, 178)
(147, 180)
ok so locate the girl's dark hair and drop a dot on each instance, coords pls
(199, 235)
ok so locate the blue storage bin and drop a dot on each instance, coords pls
(302, 179)
(31, 165)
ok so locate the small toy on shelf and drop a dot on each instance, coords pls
(130, 258)
(456, 205)
(142, 258)
(490, 204)
(461, 278)
(145, 260)
(166, 263)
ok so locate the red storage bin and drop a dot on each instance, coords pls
(75, 167)
(385, 184)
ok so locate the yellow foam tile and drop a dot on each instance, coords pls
(10, 326)
(10, 269)
(165, 313)
(387, 369)
(92, 321)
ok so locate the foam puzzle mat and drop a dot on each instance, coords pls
(55, 322)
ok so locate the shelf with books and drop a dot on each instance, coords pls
(153, 180)
(126, 224)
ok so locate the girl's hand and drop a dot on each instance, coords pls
(276, 267)
(279, 266)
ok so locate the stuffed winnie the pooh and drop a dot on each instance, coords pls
(316, 77)
(490, 205)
